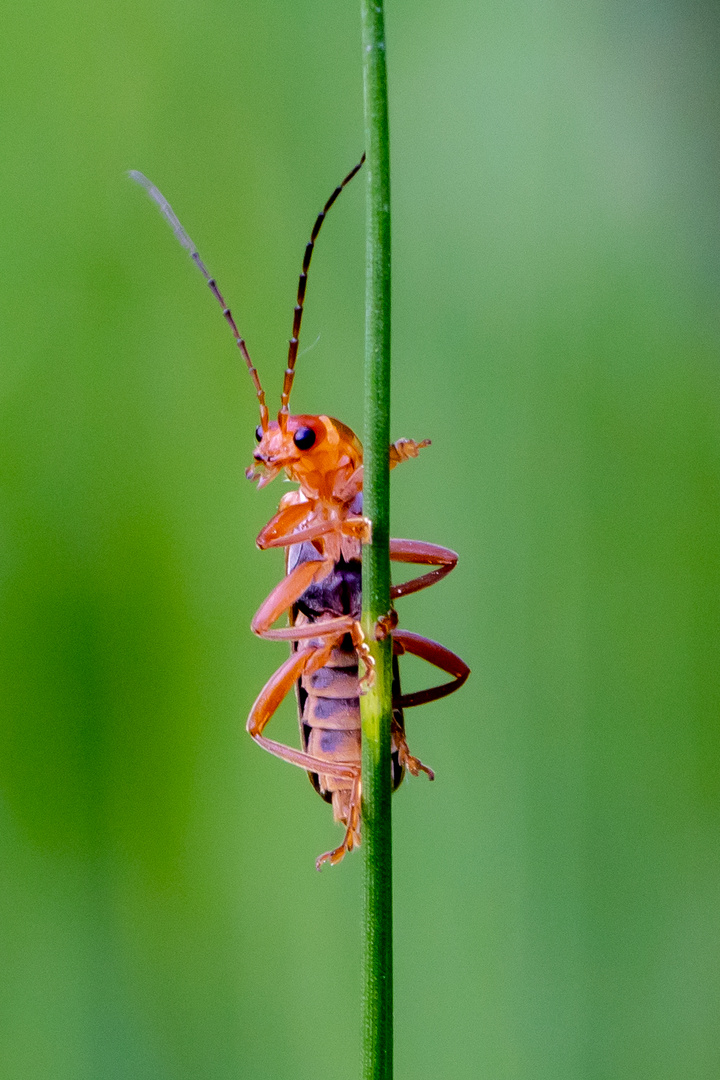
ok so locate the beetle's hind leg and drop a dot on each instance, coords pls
(407, 760)
(346, 809)
(404, 641)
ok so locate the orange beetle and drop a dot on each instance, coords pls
(322, 528)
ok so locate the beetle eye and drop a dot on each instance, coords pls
(304, 438)
(258, 433)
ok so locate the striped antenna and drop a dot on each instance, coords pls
(170, 216)
(299, 305)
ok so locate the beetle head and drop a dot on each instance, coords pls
(314, 451)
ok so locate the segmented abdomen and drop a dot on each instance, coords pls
(329, 699)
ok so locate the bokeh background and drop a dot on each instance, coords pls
(557, 288)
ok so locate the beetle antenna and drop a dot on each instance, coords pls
(170, 216)
(299, 305)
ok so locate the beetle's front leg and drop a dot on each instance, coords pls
(404, 449)
(401, 450)
(285, 522)
(284, 528)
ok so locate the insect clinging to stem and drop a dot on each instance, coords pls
(321, 527)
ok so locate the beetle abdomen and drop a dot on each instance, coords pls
(329, 699)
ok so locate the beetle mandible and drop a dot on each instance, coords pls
(321, 527)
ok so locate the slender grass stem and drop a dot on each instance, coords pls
(376, 705)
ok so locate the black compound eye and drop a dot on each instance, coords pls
(258, 433)
(304, 438)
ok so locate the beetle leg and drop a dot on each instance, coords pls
(352, 832)
(283, 523)
(386, 624)
(440, 657)
(282, 530)
(404, 449)
(282, 598)
(359, 528)
(358, 639)
(417, 551)
(285, 593)
(312, 532)
(401, 450)
(275, 690)
(404, 641)
(413, 764)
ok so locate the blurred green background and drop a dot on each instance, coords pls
(556, 334)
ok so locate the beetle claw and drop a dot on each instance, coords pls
(386, 624)
(352, 833)
(413, 765)
(367, 679)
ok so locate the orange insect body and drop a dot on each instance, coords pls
(322, 528)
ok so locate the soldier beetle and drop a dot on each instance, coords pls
(321, 527)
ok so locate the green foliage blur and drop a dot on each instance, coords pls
(556, 334)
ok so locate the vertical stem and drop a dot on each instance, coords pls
(376, 705)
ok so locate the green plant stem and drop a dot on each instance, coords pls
(376, 705)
